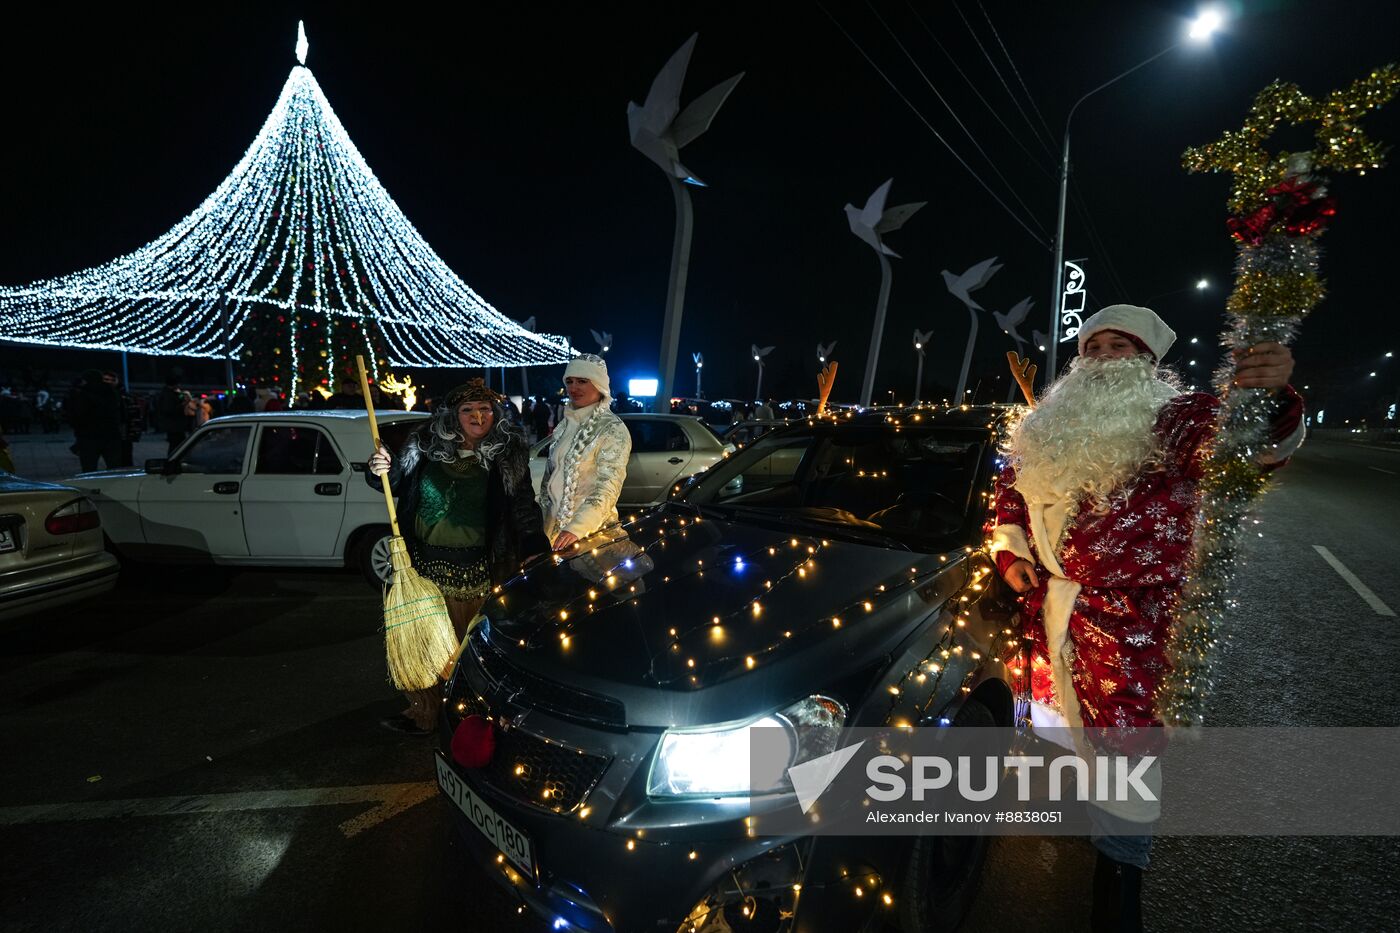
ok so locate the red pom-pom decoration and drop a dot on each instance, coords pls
(474, 742)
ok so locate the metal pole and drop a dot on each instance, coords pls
(675, 297)
(1056, 296)
(758, 389)
(698, 393)
(867, 387)
(126, 373)
(1051, 354)
(967, 358)
(919, 378)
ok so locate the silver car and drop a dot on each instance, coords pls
(51, 548)
(665, 450)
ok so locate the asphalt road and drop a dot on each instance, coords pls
(201, 750)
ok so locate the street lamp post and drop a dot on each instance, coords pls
(919, 340)
(1201, 28)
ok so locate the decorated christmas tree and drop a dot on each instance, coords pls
(296, 263)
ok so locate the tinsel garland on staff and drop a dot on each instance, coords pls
(1279, 207)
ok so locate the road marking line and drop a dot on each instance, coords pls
(1379, 470)
(1362, 590)
(391, 800)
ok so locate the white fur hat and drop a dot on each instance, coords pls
(593, 368)
(1143, 323)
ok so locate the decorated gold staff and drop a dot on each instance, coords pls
(418, 636)
(1279, 206)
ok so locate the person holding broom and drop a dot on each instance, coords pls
(469, 516)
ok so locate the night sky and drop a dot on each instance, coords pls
(502, 134)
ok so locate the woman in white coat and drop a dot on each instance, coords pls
(587, 459)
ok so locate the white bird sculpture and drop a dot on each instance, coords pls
(962, 287)
(604, 340)
(870, 223)
(825, 350)
(1012, 319)
(699, 365)
(659, 128)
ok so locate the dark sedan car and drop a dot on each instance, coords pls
(595, 734)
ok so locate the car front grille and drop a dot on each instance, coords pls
(526, 767)
(542, 773)
(532, 691)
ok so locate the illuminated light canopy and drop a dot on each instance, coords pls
(298, 261)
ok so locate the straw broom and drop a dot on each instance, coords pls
(418, 636)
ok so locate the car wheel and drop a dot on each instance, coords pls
(943, 872)
(372, 556)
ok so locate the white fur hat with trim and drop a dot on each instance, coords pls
(593, 368)
(1149, 331)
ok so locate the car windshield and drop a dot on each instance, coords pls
(910, 486)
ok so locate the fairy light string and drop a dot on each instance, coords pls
(298, 261)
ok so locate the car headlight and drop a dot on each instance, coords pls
(716, 762)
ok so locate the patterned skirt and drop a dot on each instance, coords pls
(460, 572)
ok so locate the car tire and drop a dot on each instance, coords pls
(370, 554)
(943, 872)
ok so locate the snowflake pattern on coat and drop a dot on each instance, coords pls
(1129, 562)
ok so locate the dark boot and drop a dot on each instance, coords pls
(1117, 897)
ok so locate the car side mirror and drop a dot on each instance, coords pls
(681, 488)
(162, 467)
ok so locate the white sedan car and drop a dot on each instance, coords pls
(665, 450)
(280, 488)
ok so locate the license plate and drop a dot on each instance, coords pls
(512, 843)
(7, 539)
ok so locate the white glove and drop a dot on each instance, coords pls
(379, 463)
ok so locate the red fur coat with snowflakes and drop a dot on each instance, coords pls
(1130, 564)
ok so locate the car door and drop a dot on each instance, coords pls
(660, 453)
(194, 506)
(294, 496)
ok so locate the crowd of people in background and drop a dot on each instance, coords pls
(107, 417)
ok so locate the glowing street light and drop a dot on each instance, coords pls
(920, 338)
(1202, 285)
(1206, 23)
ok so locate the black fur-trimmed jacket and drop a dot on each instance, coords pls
(514, 525)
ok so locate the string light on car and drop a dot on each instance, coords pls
(298, 261)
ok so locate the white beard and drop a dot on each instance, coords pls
(1091, 435)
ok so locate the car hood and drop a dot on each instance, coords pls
(633, 617)
(9, 482)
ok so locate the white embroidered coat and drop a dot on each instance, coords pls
(594, 466)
